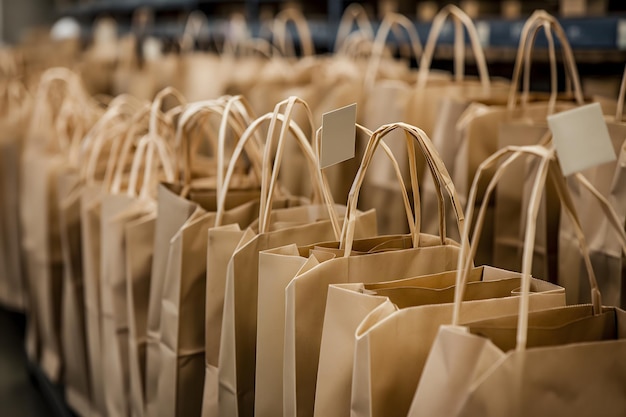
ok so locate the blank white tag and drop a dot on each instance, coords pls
(338, 136)
(581, 138)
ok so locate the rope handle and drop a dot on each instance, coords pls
(461, 19)
(328, 197)
(548, 166)
(269, 181)
(439, 173)
(537, 19)
(354, 13)
(391, 20)
(238, 151)
(304, 33)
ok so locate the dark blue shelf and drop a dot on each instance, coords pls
(590, 33)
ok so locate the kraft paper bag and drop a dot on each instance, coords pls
(276, 269)
(483, 130)
(524, 356)
(176, 203)
(528, 130)
(117, 211)
(387, 101)
(46, 155)
(173, 212)
(74, 339)
(139, 236)
(13, 122)
(238, 339)
(393, 341)
(384, 256)
(180, 374)
(182, 370)
(553, 356)
(554, 241)
(43, 262)
(90, 219)
(236, 362)
(605, 253)
(222, 243)
(442, 104)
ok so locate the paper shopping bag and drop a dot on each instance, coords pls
(442, 104)
(276, 269)
(47, 151)
(176, 203)
(139, 236)
(384, 256)
(482, 131)
(236, 362)
(537, 351)
(73, 335)
(13, 121)
(605, 253)
(393, 341)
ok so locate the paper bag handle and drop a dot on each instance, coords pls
(548, 164)
(244, 112)
(144, 155)
(248, 134)
(197, 112)
(117, 161)
(268, 182)
(196, 21)
(293, 15)
(391, 20)
(108, 126)
(438, 170)
(523, 55)
(461, 19)
(328, 197)
(354, 13)
(73, 90)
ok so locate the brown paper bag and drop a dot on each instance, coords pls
(73, 337)
(605, 253)
(393, 340)
(96, 145)
(117, 209)
(386, 373)
(480, 135)
(388, 101)
(174, 210)
(13, 122)
(179, 378)
(416, 254)
(516, 357)
(518, 131)
(236, 360)
(442, 104)
(90, 206)
(276, 269)
(45, 155)
(139, 236)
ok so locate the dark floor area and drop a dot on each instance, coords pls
(19, 393)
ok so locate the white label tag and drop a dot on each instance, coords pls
(338, 136)
(581, 138)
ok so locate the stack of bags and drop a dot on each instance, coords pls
(177, 254)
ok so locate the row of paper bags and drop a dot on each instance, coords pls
(166, 276)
